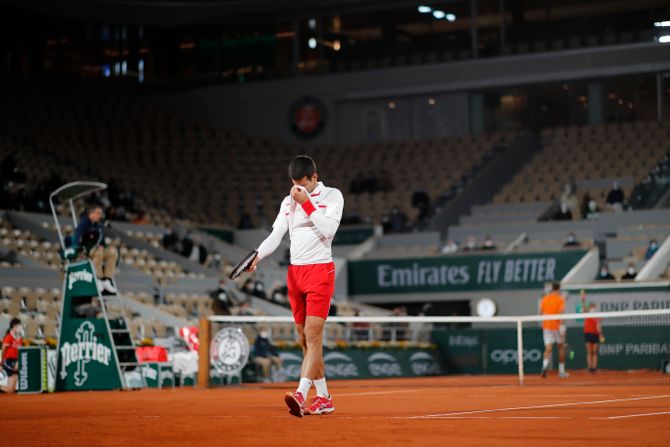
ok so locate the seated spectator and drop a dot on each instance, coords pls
(470, 244)
(332, 310)
(563, 213)
(9, 256)
(569, 198)
(615, 197)
(248, 286)
(140, 218)
(9, 356)
(421, 201)
(584, 207)
(571, 241)
(651, 249)
(223, 301)
(450, 247)
(488, 244)
(89, 236)
(280, 295)
(216, 262)
(265, 354)
(593, 211)
(193, 249)
(396, 221)
(245, 309)
(259, 290)
(170, 239)
(604, 273)
(630, 272)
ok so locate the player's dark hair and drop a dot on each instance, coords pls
(12, 323)
(92, 207)
(555, 286)
(301, 166)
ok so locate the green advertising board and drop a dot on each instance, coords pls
(358, 363)
(32, 369)
(494, 351)
(459, 273)
(86, 359)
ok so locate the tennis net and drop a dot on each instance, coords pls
(634, 348)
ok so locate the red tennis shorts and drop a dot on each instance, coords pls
(310, 288)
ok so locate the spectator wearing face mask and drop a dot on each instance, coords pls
(630, 272)
(470, 244)
(651, 249)
(563, 213)
(222, 300)
(265, 354)
(593, 210)
(584, 207)
(450, 247)
(488, 244)
(604, 273)
(10, 354)
(615, 197)
(571, 241)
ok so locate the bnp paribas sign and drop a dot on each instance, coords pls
(459, 273)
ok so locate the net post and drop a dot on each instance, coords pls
(205, 336)
(519, 348)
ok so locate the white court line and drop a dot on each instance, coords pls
(634, 415)
(535, 417)
(504, 417)
(374, 393)
(531, 407)
(536, 395)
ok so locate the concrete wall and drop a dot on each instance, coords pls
(510, 302)
(261, 109)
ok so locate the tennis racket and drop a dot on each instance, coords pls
(244, 264)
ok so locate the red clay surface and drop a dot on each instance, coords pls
(445, 411)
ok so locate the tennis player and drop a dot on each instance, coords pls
(593, 335)
(311, 214)
(553, 304)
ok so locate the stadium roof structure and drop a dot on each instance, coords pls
(191, 12)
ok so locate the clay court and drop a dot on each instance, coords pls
(435, 411)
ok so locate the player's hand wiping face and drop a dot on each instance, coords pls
(299, 194)
(304, 186)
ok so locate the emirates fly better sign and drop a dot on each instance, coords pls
(459, 273)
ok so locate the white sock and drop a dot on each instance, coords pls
(545, 363)
(561, 368)
(321, 388)
(304, 386)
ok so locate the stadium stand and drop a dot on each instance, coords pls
(162, 182)
(579, 154)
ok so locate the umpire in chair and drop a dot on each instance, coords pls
(89, 238)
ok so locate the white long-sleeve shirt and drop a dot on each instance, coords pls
(311, 226)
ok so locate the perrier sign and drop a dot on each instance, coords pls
(459, 273)
(86, 360)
